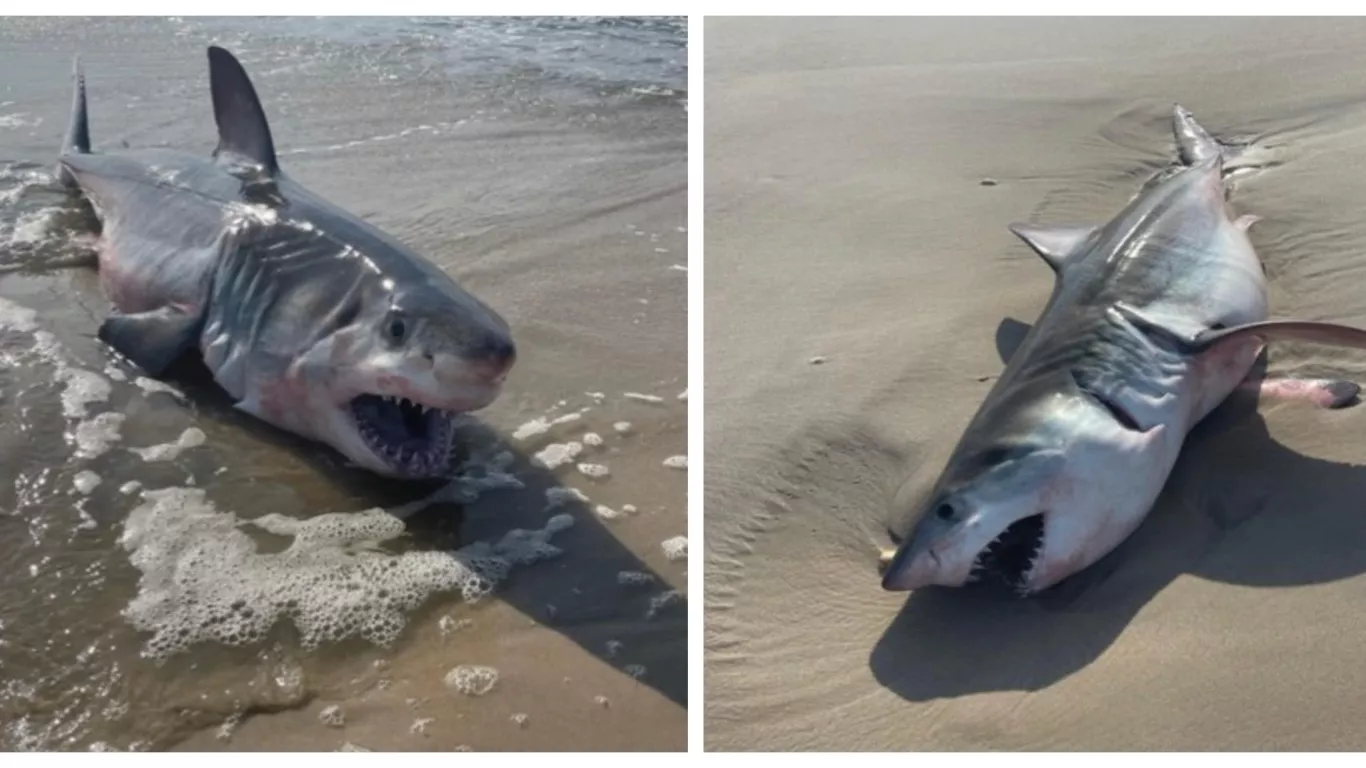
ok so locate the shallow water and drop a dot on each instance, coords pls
(543, 164)
(860, 177)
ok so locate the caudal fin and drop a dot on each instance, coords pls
(78, 134)
(1196, 143)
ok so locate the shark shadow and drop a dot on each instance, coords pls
(1226, 514)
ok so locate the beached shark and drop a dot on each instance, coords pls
(1154, 319)
(311, 319)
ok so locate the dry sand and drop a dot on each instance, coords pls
(846, 219)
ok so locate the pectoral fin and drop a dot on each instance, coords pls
(153, 340)
(1330, 334)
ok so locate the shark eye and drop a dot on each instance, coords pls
(945, 511)
(396, 328)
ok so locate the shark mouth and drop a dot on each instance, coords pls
(1010, 557)
(414, 439)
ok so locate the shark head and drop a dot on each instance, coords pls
(404, 367)
(1039, 488)
(373, 352)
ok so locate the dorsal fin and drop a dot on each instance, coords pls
(242, 127)
(1052, 243)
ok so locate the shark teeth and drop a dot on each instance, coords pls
(420, 449)
(1011, 557)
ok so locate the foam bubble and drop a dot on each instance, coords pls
(661, 601)
(594, 470)
(683, 395)
(644, 398)
(622, 427)
(204, 580)
(82, 389)
(606, 512)
(472, 680)
(85, 481)
(542, 425)
(521, 719)
(349, 747)
(31, 228)
(676, 462)
(557, 455)
(152, 385)
(130, 487)
(592, 439)
(192, 437)
(634, 578)
(634, 670)
(94, 436)
(332, 717)
(419, 726)
(450, 626)
(559, 496)
(229, 725)
(16, 317)
(613, 647)
(472, 479)
(675, 548)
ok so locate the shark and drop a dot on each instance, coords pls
(1155, 318)
(309, 318)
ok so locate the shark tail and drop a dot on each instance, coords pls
(1198, 146)
(78, 133)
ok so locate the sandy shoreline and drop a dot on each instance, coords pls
(846, 219)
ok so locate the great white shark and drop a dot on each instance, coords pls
(1154, 319)
(309, 318)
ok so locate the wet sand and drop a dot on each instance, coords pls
(847, 219)
(545, 169)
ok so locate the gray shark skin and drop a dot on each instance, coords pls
(311, 319)
(1154, 319)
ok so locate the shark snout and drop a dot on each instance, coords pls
(490, 362)
(909, 569)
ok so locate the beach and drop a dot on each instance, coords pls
(542, 164)
(860, 288)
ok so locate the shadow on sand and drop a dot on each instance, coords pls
(590, 606)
